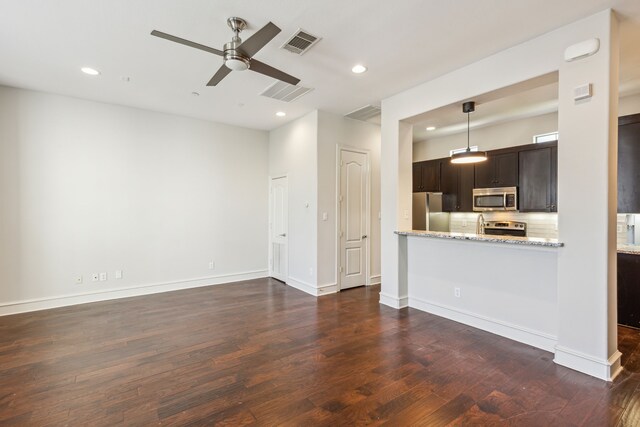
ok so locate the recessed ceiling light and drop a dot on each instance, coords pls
(90, 71)
(430, 128)
(281, 114)
(359, 69)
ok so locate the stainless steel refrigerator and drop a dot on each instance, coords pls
(427, 212)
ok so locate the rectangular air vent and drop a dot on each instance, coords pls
(284, 91)
(365, 113)
(300, 42)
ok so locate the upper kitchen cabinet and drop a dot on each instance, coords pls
(456, 184)
(499, 170)
(629, 164)
(426, 176)
(538, 179)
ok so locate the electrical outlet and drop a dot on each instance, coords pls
(456, 292)
(464, 223)
(212, 265)
(310, 271)
(78, 280)
(103, 277)
(95, 277)
(118, 274)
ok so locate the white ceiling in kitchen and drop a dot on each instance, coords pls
(403, 43)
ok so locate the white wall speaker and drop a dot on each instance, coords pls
(581, 50)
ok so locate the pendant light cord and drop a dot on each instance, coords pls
(468, 148)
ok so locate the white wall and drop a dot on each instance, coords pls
(629, 105)
(333, 131)
(89, 187)
(502, 135)
(293, 152)
(305, 150)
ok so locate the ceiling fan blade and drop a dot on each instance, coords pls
(186, 42)
(253, 44)
(267, 70)
(219, 75)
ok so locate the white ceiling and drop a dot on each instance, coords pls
(43, 44)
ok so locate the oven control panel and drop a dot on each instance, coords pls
(506, 228)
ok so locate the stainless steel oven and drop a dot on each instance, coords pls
(495, 199)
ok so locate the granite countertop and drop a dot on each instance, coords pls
(525, 241)
(629, 249)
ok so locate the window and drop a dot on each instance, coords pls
(462, 150)
(545, 137)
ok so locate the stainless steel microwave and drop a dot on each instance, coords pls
(495, 199)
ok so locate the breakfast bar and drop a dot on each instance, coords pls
(503, 284)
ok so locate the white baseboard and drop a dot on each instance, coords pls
(600, 368)
(132, 291)
(515, 332)
(303, 286)
(375, 280)
(393, 302)
(329, 288)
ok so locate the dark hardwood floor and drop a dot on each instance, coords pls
(261, 353)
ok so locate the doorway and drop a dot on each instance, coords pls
(278, 227)
(353, 218)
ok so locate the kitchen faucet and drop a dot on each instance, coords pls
(480, 224)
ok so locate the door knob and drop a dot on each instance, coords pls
(364, 237)
(282, 235)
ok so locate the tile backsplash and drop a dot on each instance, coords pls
(544, 225)
(628, 229)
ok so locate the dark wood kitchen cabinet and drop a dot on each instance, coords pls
(629, 290)
(629, 164)
(456, 184)
(538, 176)
(426, 176)
(499, 170)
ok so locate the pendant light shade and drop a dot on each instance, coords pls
(468, 156)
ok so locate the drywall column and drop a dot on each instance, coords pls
(395, 170)
(587, 177)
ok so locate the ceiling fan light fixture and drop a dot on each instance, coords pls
(468, 156)
(237, 63)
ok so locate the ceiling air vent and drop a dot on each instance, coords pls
(365, 113)
(300, 42)
(284, 91)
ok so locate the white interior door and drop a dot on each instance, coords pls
(278, 229)
(353, 218)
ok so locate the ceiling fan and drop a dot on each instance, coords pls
(238, 55)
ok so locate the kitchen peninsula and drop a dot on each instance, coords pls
(503, 284)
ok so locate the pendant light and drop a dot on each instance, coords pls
(468, 156)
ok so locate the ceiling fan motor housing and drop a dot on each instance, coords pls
(234, 58)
